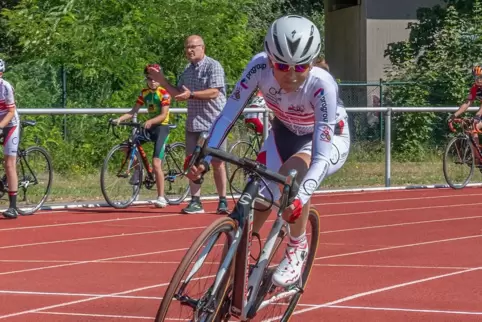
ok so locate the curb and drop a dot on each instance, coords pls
(319, 192)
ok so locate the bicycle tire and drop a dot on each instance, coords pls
(226, 224)
(179, 172)
(48, 158)
(231, 168)
(135, 191)
(314, 220)
(446, 162)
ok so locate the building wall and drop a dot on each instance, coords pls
(345, 43)
(357, 36)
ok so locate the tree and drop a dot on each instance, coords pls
(438, 56)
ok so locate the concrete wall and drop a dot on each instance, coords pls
(345, 43)
(357, 36)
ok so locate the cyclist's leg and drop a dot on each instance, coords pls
(10, 147)
(160, 135)
(290, 268)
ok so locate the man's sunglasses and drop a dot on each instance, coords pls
(298, 68)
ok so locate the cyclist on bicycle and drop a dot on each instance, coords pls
(9, 129)
(304, 101)
(156, 129)
(475, 93)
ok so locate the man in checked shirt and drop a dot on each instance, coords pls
(202, 85)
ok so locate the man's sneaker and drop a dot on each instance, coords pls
(194, 207)
(223, 207)
(136, 177)
(160, 202)
(10, 213)
(289, 270)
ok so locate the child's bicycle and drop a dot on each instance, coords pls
(127, 167)
(34, 173)
(234, 285)
(462, 154)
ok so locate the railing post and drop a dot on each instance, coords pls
(265, 124)
(388, 145)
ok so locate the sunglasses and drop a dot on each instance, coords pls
(298, 68)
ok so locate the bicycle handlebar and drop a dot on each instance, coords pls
(466, 122)
(202, 150)
(114, 124)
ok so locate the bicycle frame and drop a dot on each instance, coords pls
(246, 284)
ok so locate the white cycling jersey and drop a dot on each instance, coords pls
(7, 101)
(312, 108)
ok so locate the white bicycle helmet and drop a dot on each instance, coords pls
(2, 66)
(293, 40)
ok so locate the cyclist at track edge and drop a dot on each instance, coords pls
(10, 130)
(475, 93)
(303, 99)
(156, 129)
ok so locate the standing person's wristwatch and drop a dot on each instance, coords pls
(192, 95)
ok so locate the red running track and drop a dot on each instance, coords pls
(411, 255)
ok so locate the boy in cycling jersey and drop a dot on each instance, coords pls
(156, 129)
(303, 99)
(475, 93)
(9, 129)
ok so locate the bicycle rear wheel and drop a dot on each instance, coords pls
(35, 175)
(176, 185)
(458, 162)
(121, 177)
(269, 306)
(202, 305)
(237, 176)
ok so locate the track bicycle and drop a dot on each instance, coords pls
(126, 168)
(237, 284)
(462, 154)
(34, 173)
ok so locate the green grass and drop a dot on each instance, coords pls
(354, 174)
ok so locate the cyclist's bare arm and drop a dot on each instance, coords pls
(129, 114)
(8, 117)
(464, 107)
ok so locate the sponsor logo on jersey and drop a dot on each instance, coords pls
(243, 83)
(300, 109)
(255, 68)
(236, 94)
(319, 92)
(324, 110)
(325, 133)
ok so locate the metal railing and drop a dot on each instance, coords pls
(386, 110)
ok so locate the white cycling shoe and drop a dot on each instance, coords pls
(289, 270)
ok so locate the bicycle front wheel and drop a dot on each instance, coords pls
(183, 301)
(176, 185)
(121, 176)
(458, 162)
(278, 303)
(237, 176)
(35, 175)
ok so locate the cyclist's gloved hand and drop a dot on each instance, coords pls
(477, 119)
(293, 211)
